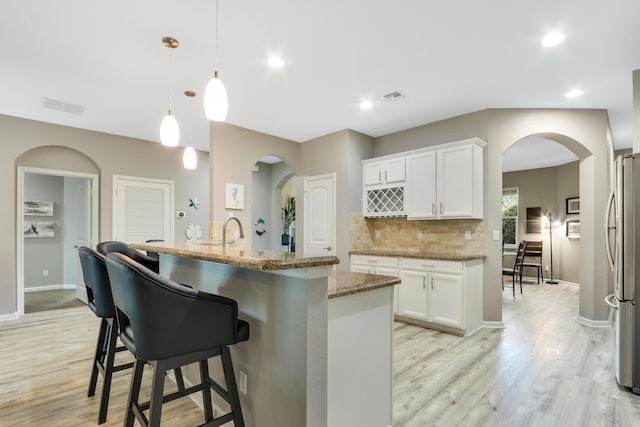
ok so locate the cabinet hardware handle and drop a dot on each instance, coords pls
(427, 265)
(424, 286)
(441, 208)
(328, 248)
(431, 282)
(372, 260)
(433, 208)
(385, 175)
(379, 175)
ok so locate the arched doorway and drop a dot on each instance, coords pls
(48, 260)
(273, 182)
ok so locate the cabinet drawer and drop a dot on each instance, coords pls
(375, 261)
(442, 266)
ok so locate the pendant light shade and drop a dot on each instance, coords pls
(215, 99)
(169, 131)
(190, 158)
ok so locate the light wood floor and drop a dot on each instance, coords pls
(50, 300)
(544, 369)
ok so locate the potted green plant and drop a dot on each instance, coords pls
(288, 215)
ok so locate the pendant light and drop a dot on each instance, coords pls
(215, 95)
(189, 157)
(169, 130)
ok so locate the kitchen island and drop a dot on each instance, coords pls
(317, 336)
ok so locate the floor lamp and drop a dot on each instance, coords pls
(551, 281)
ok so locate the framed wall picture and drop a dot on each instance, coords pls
(39, 229)
(233, 196)
(533, 220)
(38, 208)
(573, 229)
(573, 205)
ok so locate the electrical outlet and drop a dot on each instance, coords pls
(45, 273)
(242, 382)
(237, 234)
(419, 234)
(467, 234)
(377, 234)
(496, 234)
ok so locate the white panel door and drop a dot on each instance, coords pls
(142, 209)
(320, 214)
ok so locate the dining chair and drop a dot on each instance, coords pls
(516, 270)
(534, 250)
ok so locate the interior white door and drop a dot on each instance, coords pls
(142, 209)
(320, 214)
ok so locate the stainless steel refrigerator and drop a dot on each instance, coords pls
(623, 250)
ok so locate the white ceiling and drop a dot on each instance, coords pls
(105, 60)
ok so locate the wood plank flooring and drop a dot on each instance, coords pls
(544, 369)
(50, 300)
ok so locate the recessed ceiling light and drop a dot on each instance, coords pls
(574, 93)
(366, 105)
(276, 62)
(552, 39)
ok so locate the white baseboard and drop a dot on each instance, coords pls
(48, 288)
(10, 316)
(593, 323)
(492, 324)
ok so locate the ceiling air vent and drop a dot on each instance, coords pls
(394, 96)
(65, 107)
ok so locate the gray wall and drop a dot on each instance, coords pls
(44, 253)
(261, 207)
(548, 188)
(37, 144)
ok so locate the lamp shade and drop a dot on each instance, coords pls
(190, 158)
(215, 100)
(169, 131)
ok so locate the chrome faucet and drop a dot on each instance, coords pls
(224, 230)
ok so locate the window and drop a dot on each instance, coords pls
(510, 217)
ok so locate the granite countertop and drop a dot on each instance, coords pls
(343, 283)
(239, 257)
(451, 256)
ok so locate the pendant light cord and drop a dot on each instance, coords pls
(170, 77)
(216, 34)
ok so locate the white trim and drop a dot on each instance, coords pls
(12, 316)
(493, 324)
(593, 323)
(95, 214)
(48, 288)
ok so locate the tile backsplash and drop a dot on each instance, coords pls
(401, 234)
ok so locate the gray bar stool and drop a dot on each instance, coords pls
(168, 325)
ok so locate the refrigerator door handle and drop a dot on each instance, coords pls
(607, 230)
(611, 301)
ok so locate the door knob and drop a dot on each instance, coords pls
(328, 248)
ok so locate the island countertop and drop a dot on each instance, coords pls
(451, 256)
(343, 283)
(239, 257)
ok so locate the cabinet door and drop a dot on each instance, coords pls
(445, 300)
(372, 173)
(394, 170)
(455, 182)
(390, 272)
(412, 295)
(421, 186)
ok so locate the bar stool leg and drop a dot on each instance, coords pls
(157, 391)
(206, 390)
(99, 356)
(232, 388)
(134, 392)
(108, 371)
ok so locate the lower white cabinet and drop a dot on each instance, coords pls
(439, 294)
(374, 264)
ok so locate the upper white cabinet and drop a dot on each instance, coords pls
(445, 182)
(390, 171)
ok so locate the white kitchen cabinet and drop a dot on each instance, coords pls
(389, 171)
(374, 264)
(441, 294)
(445, 183)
